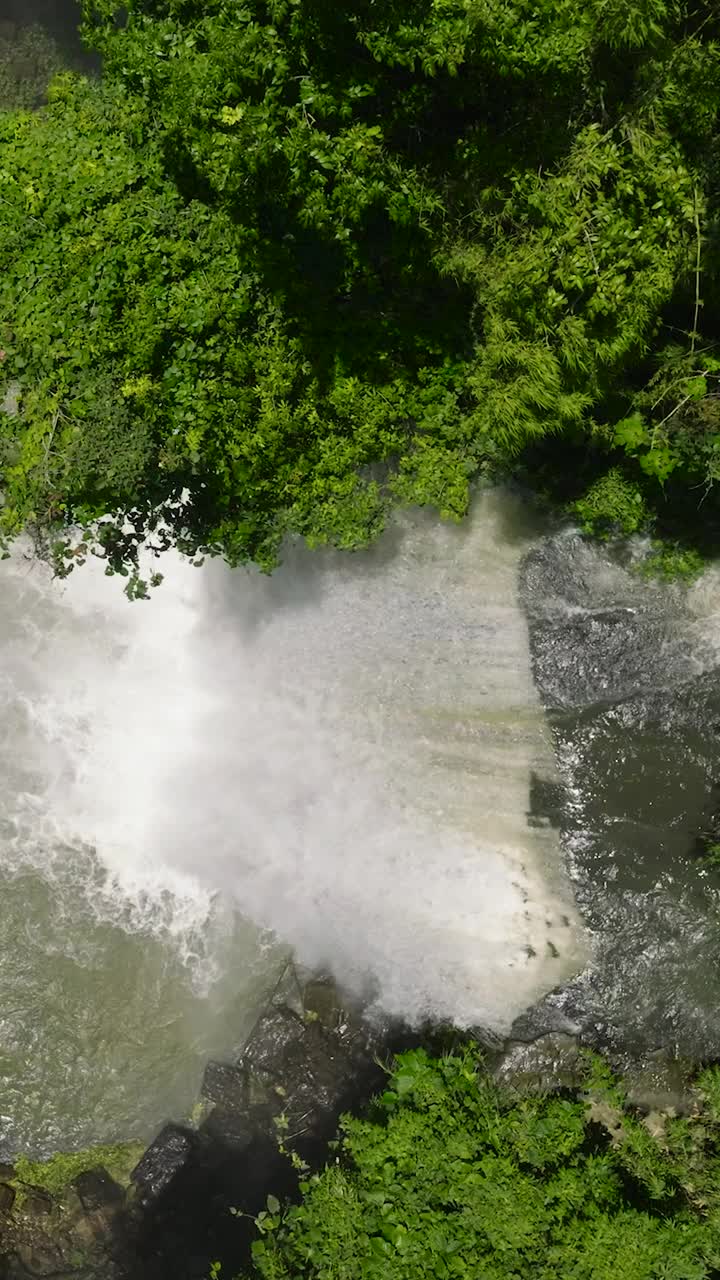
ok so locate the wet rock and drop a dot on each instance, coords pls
(7, 1197)
(545, 1065)
(163, 1160)
(660, 1083)
(321, 1000)
(97, 1190)
(276, 1040)
(36, 1202)
(225, 1084)
(92, 1233)
(309, 1057)
(288, 994)
(232, 1128)
(309, 1070)
(39, 1259)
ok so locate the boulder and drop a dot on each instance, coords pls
(545, 1065)
(660, 1083)
(321, 1000)
(39, 1259)
(232, 1128)
(309, 1068)
(225, 1084)
(288, 993)
(163, 1160)
(97, 1190)
(37, 1202)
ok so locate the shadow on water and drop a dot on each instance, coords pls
(60, 18)
(306, 577)
(38, 38)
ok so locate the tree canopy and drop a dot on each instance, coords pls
(290, 263)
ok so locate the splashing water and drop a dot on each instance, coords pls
(629, 670)
(340, 755)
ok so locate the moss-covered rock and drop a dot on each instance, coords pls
(58, 1173)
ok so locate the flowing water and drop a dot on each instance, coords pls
(629, 673)
(338, 758)
(465, 769)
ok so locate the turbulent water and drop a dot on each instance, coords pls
(341, 755)
(629, 673)
(352, 759)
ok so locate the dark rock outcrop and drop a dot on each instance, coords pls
(264, 1116)
(310, 1056)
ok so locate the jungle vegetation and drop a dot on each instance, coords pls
(290, 263)
(451, 1176)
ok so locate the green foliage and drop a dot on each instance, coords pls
(291, 264)
(711, 856)
(612, 505)
(453, 1177)
(672, 563)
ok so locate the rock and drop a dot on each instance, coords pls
(305, 1069)
(288, 994)
(660, 1083)
(233, 1128)
(276, 1038)
(600, 1111)
(163, 1160)
(10, 401)
(7, 1197)
(42, 1259)
(24, 68)
(322, 1001)
(97, 1190)
(7, 1171)
(83, 1233)
(36, 1202)
(545, 1065)
(102, 1223)
(226, 1085)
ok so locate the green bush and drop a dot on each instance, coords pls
(454, 1177)
(291, 263)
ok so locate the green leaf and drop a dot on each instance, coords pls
(631, 433)
(659, 462)
(696, 388)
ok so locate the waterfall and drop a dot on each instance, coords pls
(337, 758)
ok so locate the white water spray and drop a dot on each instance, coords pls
(344, 750)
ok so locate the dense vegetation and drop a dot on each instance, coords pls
(453, 1177)
(292, 262)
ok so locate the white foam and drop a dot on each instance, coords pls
(344, 749)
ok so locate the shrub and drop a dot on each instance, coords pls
(452, 1176)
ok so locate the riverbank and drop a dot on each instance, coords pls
(263, 1121)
